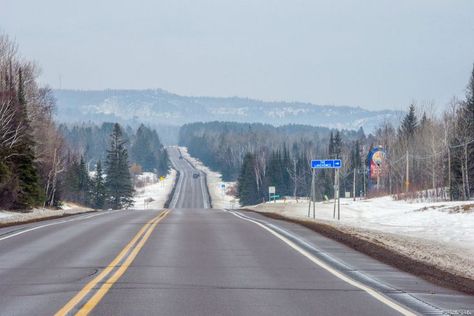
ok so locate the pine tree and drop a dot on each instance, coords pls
(247, 184)
(148, 152)
(469, 126)
(470, 97)
(98, 188)
(83, 183)
(118, 181)
(337, 145)
(356, 164)
(409, 125)
(331, 146)
(26, 182)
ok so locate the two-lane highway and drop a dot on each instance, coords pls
(193, 260)
(191, 191)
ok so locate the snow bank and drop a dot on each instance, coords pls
(154, 195)
(440, 233)
(218, 189)
(34, 214)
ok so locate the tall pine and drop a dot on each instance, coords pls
(98, 188)
(247, 183)
(118, 182)
(26, 183)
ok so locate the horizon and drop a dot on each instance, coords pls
(233, 97)
(377, 55)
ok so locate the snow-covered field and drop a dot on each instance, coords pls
(440, 233)
(7, 217)
(218, 189)
(154, 195)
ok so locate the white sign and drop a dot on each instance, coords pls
(271, 190)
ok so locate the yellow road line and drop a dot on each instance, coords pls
(94, 300)
(149, 226)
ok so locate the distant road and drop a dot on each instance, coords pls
(193, 260)
(190, 192)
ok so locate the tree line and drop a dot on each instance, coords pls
(427, 155)
(112, 189)
(31, 146)
(147, 153)
(42, 164)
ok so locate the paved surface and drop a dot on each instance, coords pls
(190, 191)
(197, 261)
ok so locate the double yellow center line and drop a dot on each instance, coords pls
(111, 273)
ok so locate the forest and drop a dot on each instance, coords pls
(42, 164)
(427, 155)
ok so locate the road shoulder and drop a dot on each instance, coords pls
(390, 279)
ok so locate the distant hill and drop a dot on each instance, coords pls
(166, 111)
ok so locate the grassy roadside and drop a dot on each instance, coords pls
(426, 271)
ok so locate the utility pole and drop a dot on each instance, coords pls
(311, 194)
(449, 175)
(365, 185)
(407, 182)
(335, 194)
(354, 185)
(468, 189)
(338, 198)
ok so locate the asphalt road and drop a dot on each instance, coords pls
(190, 191)
(192, 260)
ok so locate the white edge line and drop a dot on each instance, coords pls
(204, 200)
(177, 192)
(55, 223)
(377, 295)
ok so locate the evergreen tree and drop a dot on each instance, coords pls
(409, 125)
(470, 97)
(148, 152)
(247, 183)
(26, 183)
(274, 175)
(356, 164)
(468, 125)
(337, 145)
(118, 181)
(83, 183)
(331, 146)
(98, 188)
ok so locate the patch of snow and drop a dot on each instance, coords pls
(154, 196)
(16, 217)
(6, 214)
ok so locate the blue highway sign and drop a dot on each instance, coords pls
(326, 163)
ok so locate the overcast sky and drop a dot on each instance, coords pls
(375, 54)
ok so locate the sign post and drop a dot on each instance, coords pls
(271, 193)
(327, 164)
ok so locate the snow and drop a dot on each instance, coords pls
(5, 214)
(218, 189)
(68, 208)
(153, 195)
(440, 233)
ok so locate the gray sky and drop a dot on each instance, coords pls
(373, 53)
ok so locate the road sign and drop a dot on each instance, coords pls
(326, 163)
(275, 196)
(271, 190)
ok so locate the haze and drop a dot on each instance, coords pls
(375, 54)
